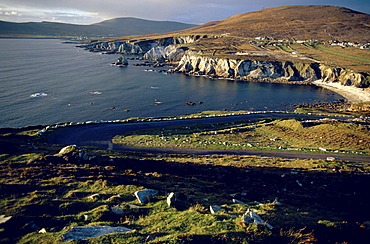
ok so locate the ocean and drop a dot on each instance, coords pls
(46, 81)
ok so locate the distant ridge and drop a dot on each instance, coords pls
(299, 22)
(109, 28)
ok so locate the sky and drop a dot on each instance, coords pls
(186, 11)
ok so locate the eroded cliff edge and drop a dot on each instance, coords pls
(273, 71)
(172, 49)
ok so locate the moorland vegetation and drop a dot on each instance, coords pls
(48, 191)
(45, 192)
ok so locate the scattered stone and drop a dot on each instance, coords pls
(276, 202)
(86, 217)
(171, 199)
(42, 231)
(149, 238)
(84, 232)
(117, 210)
(94, 196)
(332, 159)
(251, 217)
(67, 149)
(115, 197)
(4, 219)
(82, 154)
(132, 206)
(214, 209)
(32, 160)
(238, 202)
(145, 195)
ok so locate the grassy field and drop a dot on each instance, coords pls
(290, 134)
(317, 200)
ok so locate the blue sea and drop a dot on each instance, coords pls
(45, 81)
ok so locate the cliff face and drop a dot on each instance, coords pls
(278, 71)
(143, 47)
(161, 53)
(167, 49)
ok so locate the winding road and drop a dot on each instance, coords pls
(100, 135)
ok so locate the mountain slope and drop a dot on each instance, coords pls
(310, 22)
(113, 27)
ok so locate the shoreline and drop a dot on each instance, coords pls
(352, 94)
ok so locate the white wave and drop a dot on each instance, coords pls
(39, 94)
(96, 92)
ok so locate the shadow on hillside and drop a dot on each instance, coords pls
(306, 197)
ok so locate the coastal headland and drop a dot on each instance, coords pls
(306, 181)
(338, 62)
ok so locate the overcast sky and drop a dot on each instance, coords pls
(187, 11)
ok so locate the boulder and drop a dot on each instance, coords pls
(171, 199)
(251, 217)
(144, 196)
(67, 149)
(238, 202)
(117, 210)
(121, 61)
(72, 153)
(4, 219)
(84, 232)
(214, 209)
(94, 196)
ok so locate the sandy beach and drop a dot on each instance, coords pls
(352, 94)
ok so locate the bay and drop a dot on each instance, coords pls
(83, 86)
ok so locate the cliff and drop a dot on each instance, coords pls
(275, 71)
(283, 71)
(155, 46)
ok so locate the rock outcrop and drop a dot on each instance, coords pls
(276, 71)
(169, 49)
(121, 61)
(140, 46)
(169, 53)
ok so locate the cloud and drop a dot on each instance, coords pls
(189, 11)
(23, 13)
(13, 13)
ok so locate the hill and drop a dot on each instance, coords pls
(300, 22)
(113, 27)
(46, 192)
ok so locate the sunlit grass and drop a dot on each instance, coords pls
(261, 134)
(39, 193)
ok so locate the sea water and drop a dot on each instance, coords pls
(45, 81)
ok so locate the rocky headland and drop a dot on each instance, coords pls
(350, 84)
(313, 44)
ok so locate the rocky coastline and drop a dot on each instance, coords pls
(350, 84)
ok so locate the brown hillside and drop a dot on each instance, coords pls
(311, 22)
